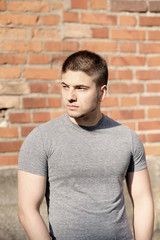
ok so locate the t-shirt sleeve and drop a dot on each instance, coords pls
(32, 156)
(138, 158)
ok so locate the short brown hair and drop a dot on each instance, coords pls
(90, 63)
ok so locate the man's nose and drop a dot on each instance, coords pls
(71, 95)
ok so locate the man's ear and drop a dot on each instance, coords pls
(103, 92)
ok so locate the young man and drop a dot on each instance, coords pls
(79, 161)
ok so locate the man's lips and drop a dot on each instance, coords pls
(72, 106)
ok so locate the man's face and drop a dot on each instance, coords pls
(80, 95)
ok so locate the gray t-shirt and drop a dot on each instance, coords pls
(85, 168)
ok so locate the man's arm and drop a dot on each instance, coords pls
(31, 191)
(141, 195)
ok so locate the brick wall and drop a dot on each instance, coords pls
(36, 37)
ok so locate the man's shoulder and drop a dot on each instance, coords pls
(56, 122)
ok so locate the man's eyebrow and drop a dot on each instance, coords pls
(78, 85)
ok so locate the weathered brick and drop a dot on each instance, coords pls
(10, 146)
(149, 48)
(129, 6)
(8, 132)
(118, 88)
(19, 19)
(128, 20)
(6, 160)
(79, 4)
(128, 101)
(128, 60)
(151, 100)
(45, 34)
(14, 88)
(125, 74)
(51, 20)
(128, 34)
(41, 116)
(153, 61)
(149, 21)
(39, 87)
(12, 59)
(98, 18)
(18, 46)
(153, 137)
(154, 113)
(20, 117)
(154, 6)
(10, 72)
(25, 130)
(12, 33)
(52, 46)
(70, 17)
(39, 59)
(147, 74)
(34, 102)
(46, 73)
(2, 5)
(154, 35)
(58, 6)
(127, 114)
(153, 87)
(100, 32)
(127, 47)
(110, 102)
(99, 46)
(100, 4)
(69, 46)
(55, 88)
(153, 150)
(27, 6)
(54, 102)
(77, 31)
(9, 101)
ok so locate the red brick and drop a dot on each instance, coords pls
(128, 20)
(128, 34)
(149, 125)
(118, 88)
(110, 102)
(153, 87)
(18, 46)
(34, 102)
(149, 21)
(128, 61)
(98, 18)
(112, 74)
(55, 88)
(2, 5)
(41, 116)
(154, 113)
(46, 73)
(56, 114)
(142, 137)
(39, 87)
(70, 17)
(69, 46)
(154, 6)
(100, 4)
(153, 150)
(79, 4)
(150, 100)
(100, 32)
(147, 74)
(10, 72)
(54, 102)
(129, 6)
(154, 35)
(27, 6)
(129, 124)
(127, 47)
(153, 137)
(19, 117)
(127, 114)
(12, 59)
(58, 60)
(99, 46)
(149, 48)
(45, 34)
(125, 74)
(52, 46)
(10, 146)
(6, 160)
(128, 101)
(51, 20)
(153, 61)
(26, 130)
(8, 132)
(39, 59)
(12, 33)
(19, 19)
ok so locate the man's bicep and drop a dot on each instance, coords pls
(31, 189)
